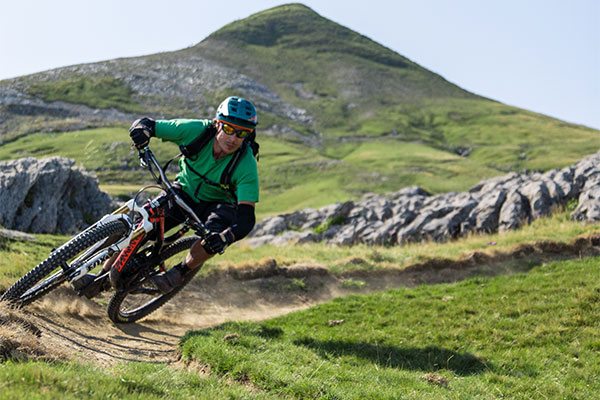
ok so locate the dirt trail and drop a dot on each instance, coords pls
(78, 328)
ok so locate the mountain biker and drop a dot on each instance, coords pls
(228, 214)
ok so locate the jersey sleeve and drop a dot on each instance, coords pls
(180, 131)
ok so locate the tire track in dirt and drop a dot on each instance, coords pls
(79, 328)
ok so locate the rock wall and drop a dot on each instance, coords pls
(411, 214)
(50, 195)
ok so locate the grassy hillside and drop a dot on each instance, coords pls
(343, 79)
(353, 86)
(294, 175)
(339, 114)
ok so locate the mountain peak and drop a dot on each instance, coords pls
(268, 27)
(296, 26)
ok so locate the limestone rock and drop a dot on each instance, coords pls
(411, 214)
(50, 195)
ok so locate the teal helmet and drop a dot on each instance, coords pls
(237, 111)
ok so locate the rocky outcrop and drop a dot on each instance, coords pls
(411, 214)
(50, 195)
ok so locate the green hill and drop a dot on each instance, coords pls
(339, 114)
(340, 77)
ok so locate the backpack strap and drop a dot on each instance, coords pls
(239, 154)
(233, 163)
(226, 187)
(193, 148)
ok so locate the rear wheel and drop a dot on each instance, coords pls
(54, 270)
(126, 307)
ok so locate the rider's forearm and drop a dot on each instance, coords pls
(245, 222)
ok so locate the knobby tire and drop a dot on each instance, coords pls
(21, 294)
(119, 314)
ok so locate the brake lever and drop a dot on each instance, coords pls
(142, 156)
(203, 232)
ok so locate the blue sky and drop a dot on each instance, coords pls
(541, 55)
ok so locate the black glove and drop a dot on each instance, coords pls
(141, 131)
(218, 242)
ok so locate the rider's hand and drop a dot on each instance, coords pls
(217, 242)
(140, 138)
(141, 131)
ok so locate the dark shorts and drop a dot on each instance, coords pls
(216, 216)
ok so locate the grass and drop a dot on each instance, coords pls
(17, 256)
(39, 380)
(373, 92)
(523, 336)
(105, 151)
(557, 228)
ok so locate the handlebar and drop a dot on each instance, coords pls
(147, 160)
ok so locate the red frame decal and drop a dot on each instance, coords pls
(126, 253)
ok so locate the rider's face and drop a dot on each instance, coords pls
(227, 143)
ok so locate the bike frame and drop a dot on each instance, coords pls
(152, 218)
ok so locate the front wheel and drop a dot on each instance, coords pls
(130, 306)
(54, 270)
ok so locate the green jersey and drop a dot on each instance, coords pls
(244, 178)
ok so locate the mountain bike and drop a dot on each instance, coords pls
(134, 236)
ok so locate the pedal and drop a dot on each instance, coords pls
(82, 282)
(98, 285)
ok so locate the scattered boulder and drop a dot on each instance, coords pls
(515, 212)
(589, 201)
(50, 195)
(16, 235)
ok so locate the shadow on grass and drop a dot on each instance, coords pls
(242, 328)
(428, 359)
